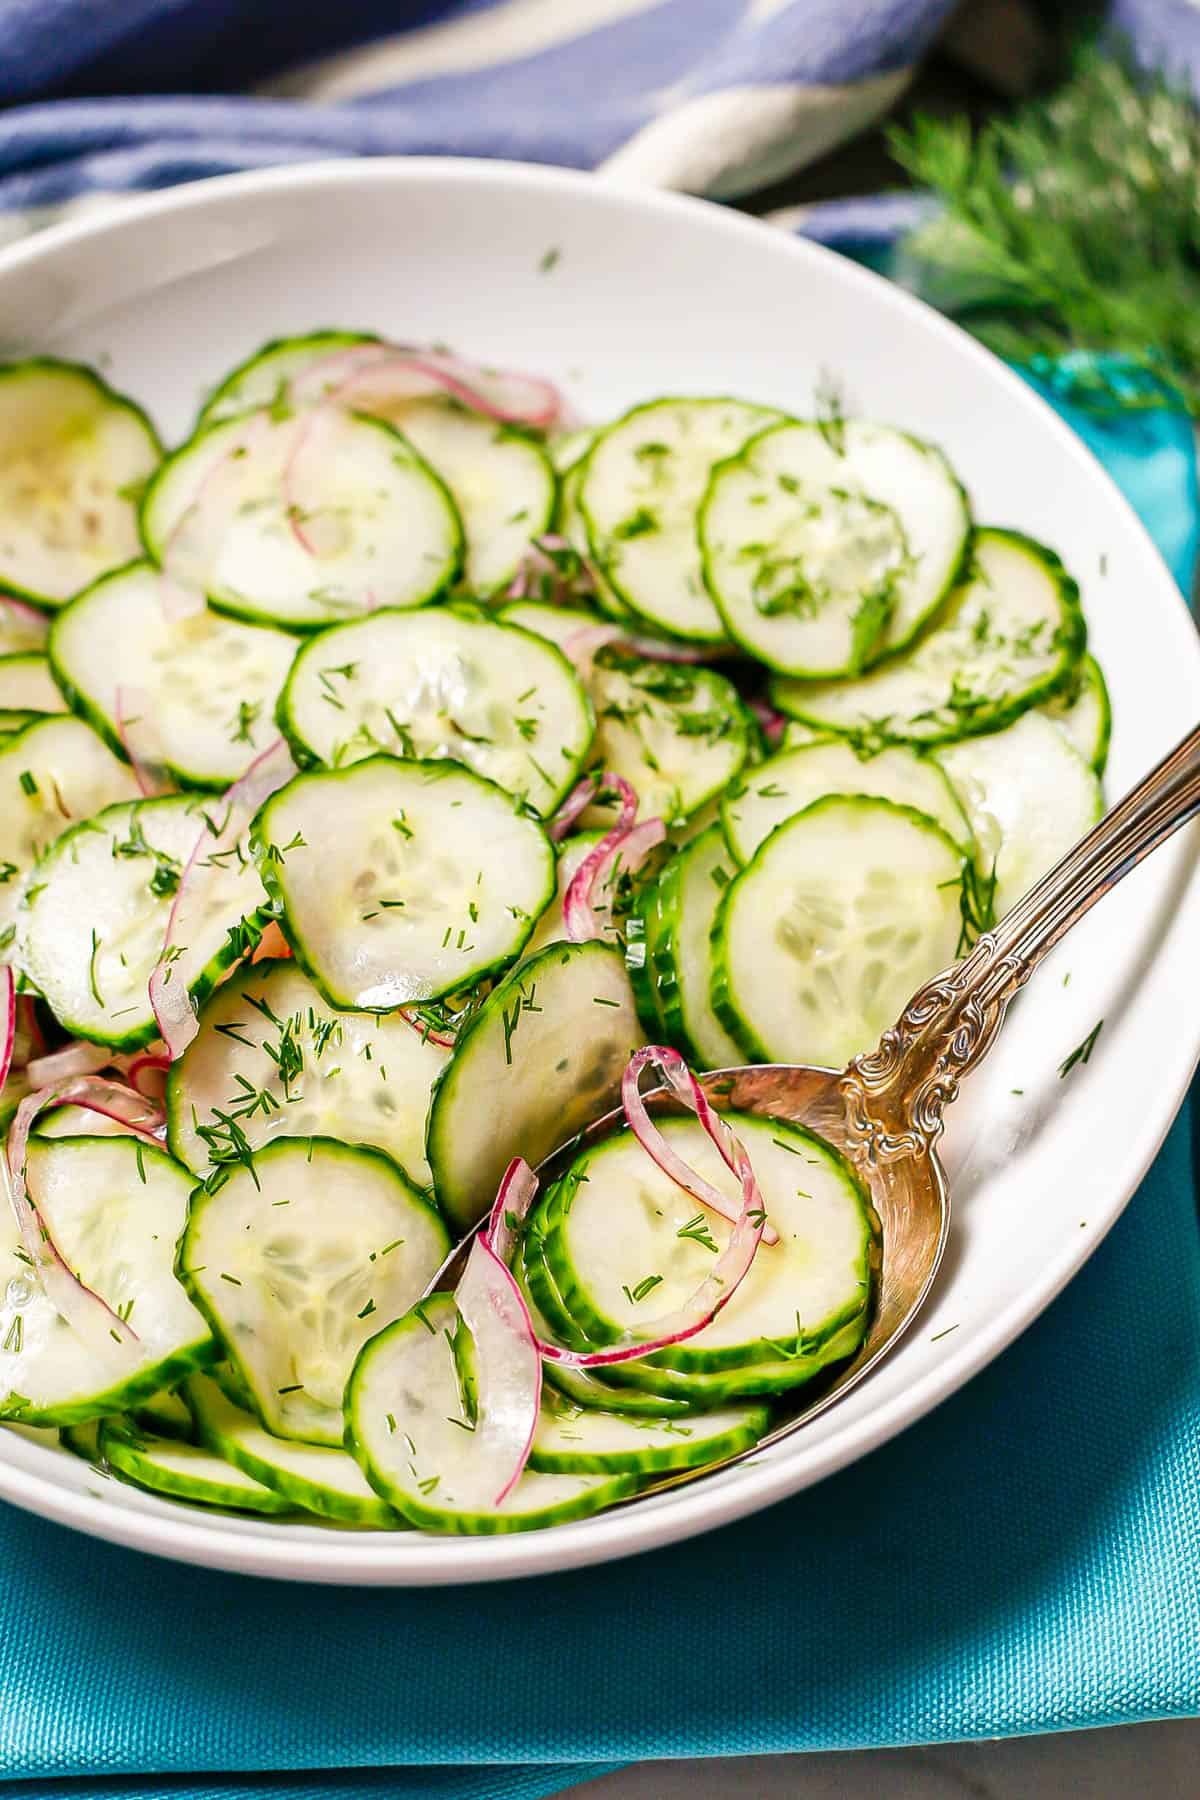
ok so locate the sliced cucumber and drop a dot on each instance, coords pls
(625, 1244)
(265, 378)
(401, 881)
(183, 1471)
(22, 627)
(300, 519)
(115, 1208)
(577, 1440)
(1029, 795)
(407, 1424)
(166, 1415)
(652, 1387)
(201, 689)
(1084, 712)
(640, 487)
(28, 685)
(557, 624)
(824, 547)
(678, 734)
(567, 449)
(544, 1054)
(297, 1257)
(1007, 639)
(78, 1121)
(82, 1441)
(788, 782)
(321, 1480)
(448, 681)
(672, 975)
(92, 925)
(74, 456)
(52, 773)
(836, 921)
(356, 1076)
(572, 528)
(502, 483)
(588, 1387)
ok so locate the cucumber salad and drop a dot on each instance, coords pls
(399, 775)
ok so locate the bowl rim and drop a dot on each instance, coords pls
(167, 1529)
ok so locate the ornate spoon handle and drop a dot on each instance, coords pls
(896, 1094)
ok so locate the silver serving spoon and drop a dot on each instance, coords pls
(885, 1110)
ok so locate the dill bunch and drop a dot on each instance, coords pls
(1072, 226)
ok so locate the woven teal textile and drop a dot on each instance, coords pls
(1026, 1559)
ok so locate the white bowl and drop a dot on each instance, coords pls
(651, 294)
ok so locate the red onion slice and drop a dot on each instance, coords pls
(514, 1197)
(445, 1040)
(318, 381)
(30, 1041)
(499, 394)
(73, 1059)
(85, 1311)
(581, 647)
(679, 1078)
(170, 1000)
(582, 795)
(773, 723)
(147, 1074)
(509, 1370)
(735, 1260)
(625, 843)
(8, 1020)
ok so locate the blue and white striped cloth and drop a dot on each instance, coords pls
(100, 98)
(716, 96)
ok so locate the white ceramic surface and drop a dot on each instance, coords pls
(652, 294)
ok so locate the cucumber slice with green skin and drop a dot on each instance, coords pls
(74, 455)
(324, 1481)
(578, 1440)
(824, 547)
(625, 1244)
(567, 450)
(27, 684)
(676, 927)
(1007, 639)
(92, 925)
(14, 719)
(183, 1471)
(557, 624)
(401, 881)
(78, 1121)
(1083, 711)
(115, 1208)
(864, 900)
(355, 1076)
(265, 378)
(573, 528)
(643, 1384)
(203, 688)
(677, 733)
(501, 481)
(22, 627)
(788, 782)
(82, 1441)
(545, 1053)
(54, 771)
(297, 1256)
(407, 1425)
(396, 536)
(449, 681)
(639, 491)
(1029, 795)
(587, 1387)
(166, 1415)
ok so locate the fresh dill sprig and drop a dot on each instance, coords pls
(1072, 226)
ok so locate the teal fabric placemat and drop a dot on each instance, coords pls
(1026, 1559)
